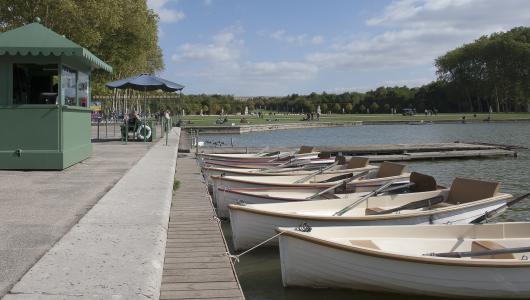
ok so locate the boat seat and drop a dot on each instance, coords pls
(340, 160)
(324, 155)
(422, 182)
(357, 162)
(489, 245)
(372, 211)
(305, 149)
(365, 244)
(388, 169)
(468, 190)
(330, 196)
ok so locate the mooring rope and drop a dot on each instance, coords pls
(237, 256)
(304, 227)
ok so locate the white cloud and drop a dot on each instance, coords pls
(224, 46)
(317, 40)
(299, 39)
(167, 15)
(421, 31)
(280, 70)
(398, 48)
(208, 2)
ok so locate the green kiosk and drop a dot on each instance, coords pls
(45, 122)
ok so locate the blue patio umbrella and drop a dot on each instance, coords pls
(145, 82)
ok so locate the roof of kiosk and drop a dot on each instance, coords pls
(35, 39)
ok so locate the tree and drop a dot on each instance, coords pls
(124, 33)
(374, 107)
(337, 108)
(349, 108)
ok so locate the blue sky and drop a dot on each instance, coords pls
(279, 47)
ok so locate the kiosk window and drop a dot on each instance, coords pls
(82, 89)
(35, 84)
(69, 86)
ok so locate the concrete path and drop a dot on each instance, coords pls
(38, 207)
(196, 264)
(116, 250)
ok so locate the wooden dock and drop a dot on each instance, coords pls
(196, 265)
(399, 152)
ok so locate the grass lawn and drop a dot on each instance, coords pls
(210, 120)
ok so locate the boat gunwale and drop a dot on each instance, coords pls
(243, 173)
(364, 182)
(500, 196)
(446, 261)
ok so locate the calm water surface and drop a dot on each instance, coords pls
(259, 271)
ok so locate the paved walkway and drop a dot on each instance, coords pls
(196, 266)
(116, 251)
(38, 207)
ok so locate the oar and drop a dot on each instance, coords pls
(279, 170)
(287, 164)
(281, 156)
(397, 187)
(480, 253)
(492, 213)
(363, 198)
(262, 151)
(320, 171)
(345, 181)
(282, 165)
(413, 205)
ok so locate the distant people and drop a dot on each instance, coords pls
(318, 116)
(463, 119)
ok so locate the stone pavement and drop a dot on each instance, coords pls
(38, 207)
(116, 250)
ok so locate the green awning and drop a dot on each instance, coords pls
(35, 39)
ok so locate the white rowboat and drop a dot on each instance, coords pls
(399, 259)
(465, 201)
(376, 177)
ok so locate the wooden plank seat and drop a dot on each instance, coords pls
(365, 244)
(490, 245)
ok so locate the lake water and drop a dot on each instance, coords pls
(259, 271)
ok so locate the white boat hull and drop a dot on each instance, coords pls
(307, 264)
(249, 229)
(360, 186)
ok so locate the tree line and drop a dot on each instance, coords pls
(491, 73)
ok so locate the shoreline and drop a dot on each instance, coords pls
(241, 129)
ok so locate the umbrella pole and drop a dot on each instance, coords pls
(145, 115)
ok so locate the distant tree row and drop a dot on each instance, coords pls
(493, 73)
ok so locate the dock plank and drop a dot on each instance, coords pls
(402, 152)
(196, 265)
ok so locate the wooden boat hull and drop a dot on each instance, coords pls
(236, 171)
(227, 197)
(312, 264)
(221, 183)
(250, 227)
(260, 165)
(228, 159)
